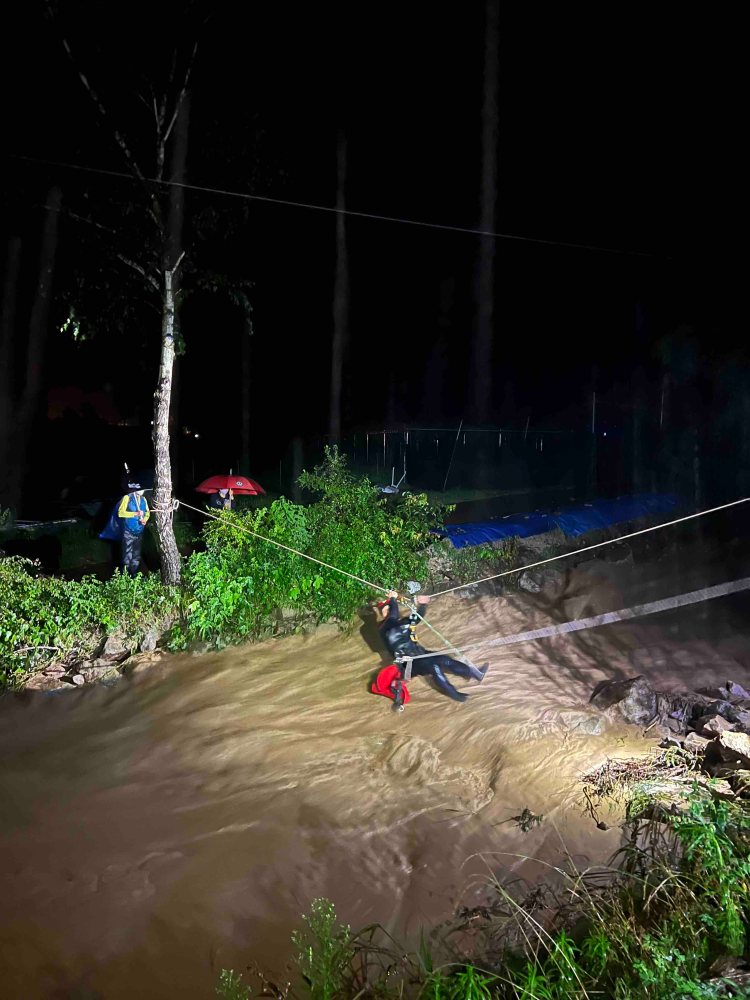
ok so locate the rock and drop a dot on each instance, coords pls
(695, 743)
(740, 717)
(722, 708)
(142, 661)
(106, 672)
(633, 700)
(527, 582)
(735, 749)
(54, 670)
(712, 725)
(674, 726)
(718, 787)
(583, 722)
(198, 647)
(149, 641)
(78, 679)
(115, 649)
(547, 578)
(39, 682)
(737, 691)
(716, 693)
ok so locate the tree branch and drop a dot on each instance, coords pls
(141, 270)
(183, 91)
(78, 218)
(130, 160)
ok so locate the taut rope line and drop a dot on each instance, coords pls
(588, 548)
(611, 616)
(694, 597)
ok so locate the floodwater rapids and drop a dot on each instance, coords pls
(166, 827)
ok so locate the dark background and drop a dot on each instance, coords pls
(618, 135)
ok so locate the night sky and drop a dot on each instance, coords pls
(612, 135)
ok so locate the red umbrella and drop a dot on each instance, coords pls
(238, 484)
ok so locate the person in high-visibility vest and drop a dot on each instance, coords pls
(134, 513)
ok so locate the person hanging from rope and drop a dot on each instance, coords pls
(400, 638)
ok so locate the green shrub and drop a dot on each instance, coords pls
(44, 618)
(239, 582)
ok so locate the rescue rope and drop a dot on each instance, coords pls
(523, 636)
(304, 555)
(288, 548)
(588, 548)
(694, 597)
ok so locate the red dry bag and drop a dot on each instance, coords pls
(386, 684)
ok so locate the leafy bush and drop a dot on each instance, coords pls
(239, 582)
(43, 618)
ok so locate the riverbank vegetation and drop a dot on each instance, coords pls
(665, 920)
(235, 585)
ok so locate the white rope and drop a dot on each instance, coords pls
(588, 548)
(320, 562)
(574, 626)
(694, 597)
(288, 548)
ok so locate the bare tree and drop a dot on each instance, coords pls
(22, 376)
(481, 369)
(158, 264)
(340, 298)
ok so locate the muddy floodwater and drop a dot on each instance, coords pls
(160, 829)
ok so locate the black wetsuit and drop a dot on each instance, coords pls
(400, 638)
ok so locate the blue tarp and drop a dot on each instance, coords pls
(573, 521)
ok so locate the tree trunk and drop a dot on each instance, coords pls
(340, 301)
(246, 399)
(170, 556)
(17, 430)
(9, 480)
(481, 369)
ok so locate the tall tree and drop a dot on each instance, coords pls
(340, 297)
(21, 382)
(141, 231)
(481, 369)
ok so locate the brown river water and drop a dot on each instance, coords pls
(159, 830)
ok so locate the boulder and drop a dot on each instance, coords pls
(78, 679)
(54, 670)
(735, 749)
(583, 722)
(149, 641)
(633, 700)
(114, 649)
(712, 725)
(142, 661)
(715, 693)
(544, 578)
(40, 682)
(739, 716)
(695, 743)
(104, 672)
(529, 583)
(737, 691)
